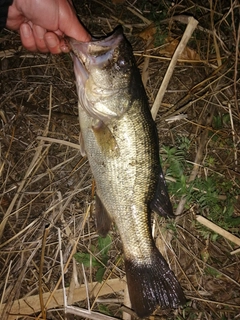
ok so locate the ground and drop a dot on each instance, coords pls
(47, 190)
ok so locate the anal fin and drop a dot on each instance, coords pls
(103, 220)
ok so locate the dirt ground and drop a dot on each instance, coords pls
(47, 224)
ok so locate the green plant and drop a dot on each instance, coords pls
(216, 198)
(174, 159)
(212, 272)
(104, 309)
(97, 258)
(213, 195)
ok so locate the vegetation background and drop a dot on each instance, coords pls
(47, 226)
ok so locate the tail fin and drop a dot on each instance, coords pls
(151, 284)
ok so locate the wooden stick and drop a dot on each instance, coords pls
(235, 251)
(192, 23)
(31, 305)
(227, 235)
(40, 275)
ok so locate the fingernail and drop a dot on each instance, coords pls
(64, 46)
(52, 42)
(40, 32)
(26, 30)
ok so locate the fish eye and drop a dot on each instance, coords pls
(121, 62)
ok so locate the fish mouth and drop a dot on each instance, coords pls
(98, 51)
(99, 64)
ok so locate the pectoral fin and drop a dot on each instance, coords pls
(161, 203)
(103, 221)
(105, 139)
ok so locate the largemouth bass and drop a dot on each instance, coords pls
(120, 139)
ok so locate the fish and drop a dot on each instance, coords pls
(120, 139)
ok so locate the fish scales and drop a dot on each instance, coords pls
(130, 176)
(119, 137)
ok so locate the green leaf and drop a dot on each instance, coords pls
(213, 272)
(104, 245)
(100, 274)
(104, 309)
(214, 237)
(217, 122)
(85, 259)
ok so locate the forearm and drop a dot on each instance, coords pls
(4, 5)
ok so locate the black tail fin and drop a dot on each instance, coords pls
(152, 284)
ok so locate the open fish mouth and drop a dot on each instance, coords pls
(98, 65)
(97, 51)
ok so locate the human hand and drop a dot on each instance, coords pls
(43, 23)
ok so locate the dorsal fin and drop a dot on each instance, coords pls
(161, 203)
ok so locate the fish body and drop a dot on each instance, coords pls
(120, 139)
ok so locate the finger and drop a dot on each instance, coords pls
(71, 26)
(39, 33)
(52, 42)
(79, 33)
(64, 46)
(27, 37)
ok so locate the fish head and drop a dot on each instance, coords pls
(103, 71)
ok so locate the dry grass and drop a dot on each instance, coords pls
(47, 191)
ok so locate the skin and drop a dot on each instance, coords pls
(42, 24)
